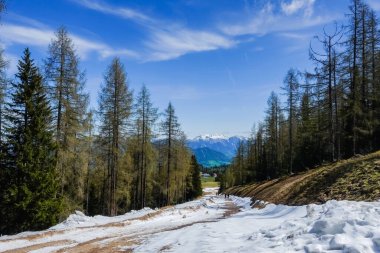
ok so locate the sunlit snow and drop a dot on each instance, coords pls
(203, 226)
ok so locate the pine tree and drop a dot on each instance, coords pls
(31, 200)
(115, 103)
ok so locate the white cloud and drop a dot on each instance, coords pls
(294, 6)
(296, 36)
(37, 36)
(171, 44)
(169, 40)
(166, 43)
(12, 61)
(84, 47)
(122, 12)
(268, 20)
(25, 35)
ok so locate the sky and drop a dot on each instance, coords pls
(217, 61)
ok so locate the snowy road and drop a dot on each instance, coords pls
(214, 224)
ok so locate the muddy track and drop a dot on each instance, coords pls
(114, 242)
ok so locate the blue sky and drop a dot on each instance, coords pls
(216, 61)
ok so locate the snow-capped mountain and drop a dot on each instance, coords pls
(219, 143)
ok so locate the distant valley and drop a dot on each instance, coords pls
(214, 150)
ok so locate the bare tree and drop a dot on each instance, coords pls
(115, 103)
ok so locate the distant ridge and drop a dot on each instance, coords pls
(210, 158)
(215, 150)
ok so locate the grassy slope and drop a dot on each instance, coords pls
(209, 182)
(357, 178)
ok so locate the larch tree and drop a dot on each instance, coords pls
(31, 198)
(374, 80)
(69, 104)
(115, 102)
(353, 108)
(170, 129)
(145, 116)
(291, 86)
(326, 75)
(272, 130)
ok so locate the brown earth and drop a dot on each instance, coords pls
(357, 178)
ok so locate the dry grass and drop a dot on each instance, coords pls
(357, 178)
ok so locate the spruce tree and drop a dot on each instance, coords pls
(196, 184)
(30, 201)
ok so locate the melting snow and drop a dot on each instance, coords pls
(199, 226)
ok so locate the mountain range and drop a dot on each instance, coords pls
(214, 150)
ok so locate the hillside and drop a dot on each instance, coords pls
(210, 158)
(356, 179)
(214, 150)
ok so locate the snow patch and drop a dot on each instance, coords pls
(199, 226)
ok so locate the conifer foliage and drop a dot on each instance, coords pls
(330, 113)
(114, 108)
(194, 184)
(56, 157)
(70, 115)
(29, 199)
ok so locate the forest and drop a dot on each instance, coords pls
(57, 155)
(328, 114)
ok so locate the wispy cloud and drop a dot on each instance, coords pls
(296, 36)
(294, 6)
(85, 46)
(17, 34)
(41, 36)
(12, 61)
(269, 20)
(122, 12)
(166, 39)
(170, 44)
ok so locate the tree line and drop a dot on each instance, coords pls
(57, 155)
(330, 113)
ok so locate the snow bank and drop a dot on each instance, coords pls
(200, 226)
(79, 219)
(337, 226)
(244, 203)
